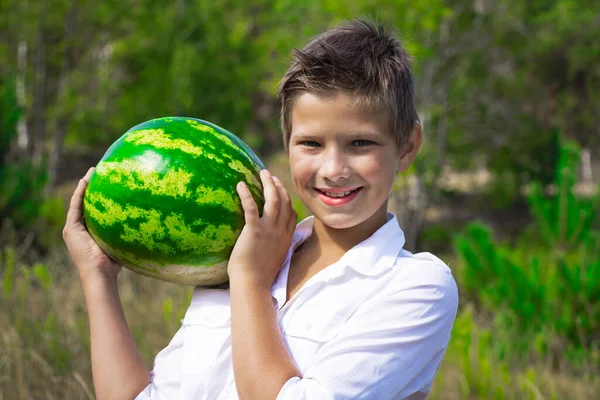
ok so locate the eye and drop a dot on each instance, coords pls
(362, 143)
(309, 143)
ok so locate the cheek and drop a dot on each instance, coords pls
(378, 169)
(301, 169)
(371, 167)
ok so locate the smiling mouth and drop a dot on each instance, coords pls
(339, 194)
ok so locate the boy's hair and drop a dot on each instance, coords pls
(360, 58)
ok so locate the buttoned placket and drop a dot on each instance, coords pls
(318, 277)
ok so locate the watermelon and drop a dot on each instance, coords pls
(162, 201)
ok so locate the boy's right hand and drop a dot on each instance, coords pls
(89, 258)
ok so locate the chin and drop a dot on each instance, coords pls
(340, 221)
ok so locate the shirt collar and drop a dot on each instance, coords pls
(370, 257)
(378, 252)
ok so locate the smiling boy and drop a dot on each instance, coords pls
(331, 308)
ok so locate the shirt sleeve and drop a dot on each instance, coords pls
(165, 377)
(390, 348)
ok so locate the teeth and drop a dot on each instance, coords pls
(339, 194)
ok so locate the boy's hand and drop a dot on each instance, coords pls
(89, 258)
(264, 241)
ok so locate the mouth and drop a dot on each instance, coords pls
(337, 197)
(338, 193)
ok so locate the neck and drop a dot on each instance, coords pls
(335, 242)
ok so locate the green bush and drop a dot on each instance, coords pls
(545, 288)
(482, 375)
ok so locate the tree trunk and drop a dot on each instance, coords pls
(37, 112)
(586, 165)
(62, 124)
(421, 196)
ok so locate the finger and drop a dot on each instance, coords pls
(89, 173)
(272, 200)
(285, 204)
(292, 221)
(76, 204)
(248, 203)
(86, 178)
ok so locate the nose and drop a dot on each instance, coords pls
(334, 165)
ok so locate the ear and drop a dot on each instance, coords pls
(411, 148)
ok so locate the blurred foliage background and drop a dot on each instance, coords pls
(505, 188)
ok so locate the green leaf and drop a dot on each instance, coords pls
(42, 273)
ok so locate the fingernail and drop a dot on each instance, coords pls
(276, 179)
(242, 185)
(266, 172)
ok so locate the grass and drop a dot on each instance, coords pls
(44, 345)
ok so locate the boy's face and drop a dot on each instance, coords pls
(343, 160)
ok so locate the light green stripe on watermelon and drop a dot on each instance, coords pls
(216, 238)
(122, 255)
(149, 267)
(248, 174)
(114, 213)
(159, 139)
(207, 195)
(149, 233)
(231, 147)
(173, 183)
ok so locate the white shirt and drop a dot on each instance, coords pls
(374, 325)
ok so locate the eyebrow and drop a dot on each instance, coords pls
(363, 133)
(351, 134)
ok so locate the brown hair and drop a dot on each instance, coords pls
(360, 58)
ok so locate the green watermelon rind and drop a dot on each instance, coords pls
(189, 237)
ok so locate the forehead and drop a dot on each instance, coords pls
(336, 113)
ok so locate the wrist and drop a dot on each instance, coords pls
(95, 277)
(99, 289)
(251, 282)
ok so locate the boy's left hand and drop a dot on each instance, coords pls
(261, 247)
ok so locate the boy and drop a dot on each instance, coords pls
(332, 308)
